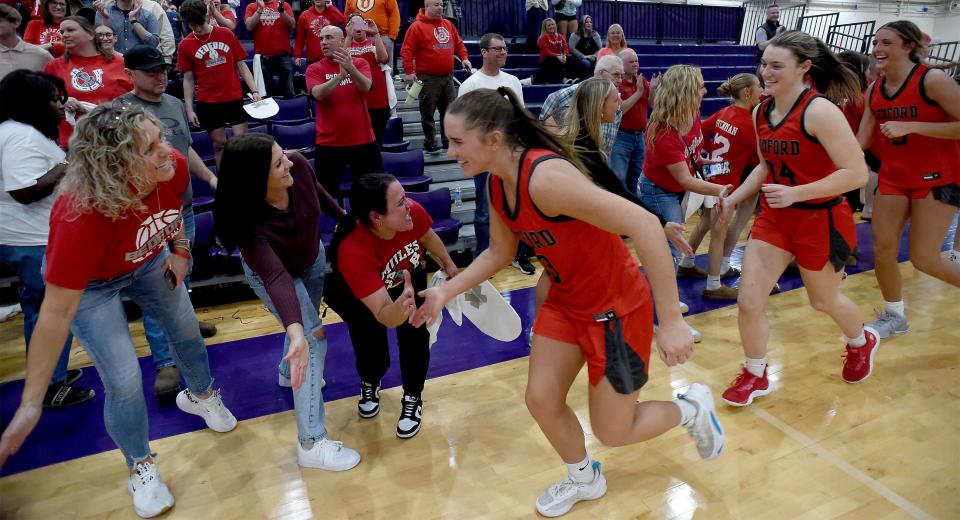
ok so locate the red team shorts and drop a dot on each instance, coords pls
(946, 193)
(814, 236)
(618, 348)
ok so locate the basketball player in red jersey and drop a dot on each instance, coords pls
(916, 110)
(808, 159)
(599, 309)
(732, 140)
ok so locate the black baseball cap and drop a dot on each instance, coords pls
(143, 57)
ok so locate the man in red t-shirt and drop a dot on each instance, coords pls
(637, 93)
(428, 50)
(271, 22)
(339, 83)
(210, 59)
(320, 15)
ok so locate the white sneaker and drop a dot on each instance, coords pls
(9, 311)
(328, 455)
(214, 413)
(560, 497)
(953, 256)
(697, 337)
(151, 497)
(684, 308)
(704, 427)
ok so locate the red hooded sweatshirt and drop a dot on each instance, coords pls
(429, 46)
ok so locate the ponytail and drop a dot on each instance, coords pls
(734, 86)
(488, 110)
(832, 79)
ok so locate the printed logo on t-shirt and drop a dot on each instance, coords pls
(390, 275)
(84, 82)
(213, 57)
(360, 51)
(365, 5)
(317, 25)
(154, 232)
(49, 35)
(441, 34)
(345, 81)
(269, 16)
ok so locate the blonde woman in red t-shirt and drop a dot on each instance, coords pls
(118, 209)
(554, 66)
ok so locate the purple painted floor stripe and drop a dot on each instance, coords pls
(245, 370)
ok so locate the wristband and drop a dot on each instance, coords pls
(181, 253)
(182, 243)
(135, 21)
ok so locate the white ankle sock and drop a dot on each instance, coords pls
(725, 265)
(581, 471)
(858, 341)
(713, 282)
(755, 366)
(687, 411)
(895, 307)
(687, 261)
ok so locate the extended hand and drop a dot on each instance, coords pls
(298, 354)
(674, 342)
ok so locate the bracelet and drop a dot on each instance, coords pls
(181, 253)
(182, 243)
(134, 21)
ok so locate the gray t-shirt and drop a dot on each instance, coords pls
(171, 112)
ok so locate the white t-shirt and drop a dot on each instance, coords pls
(25, 156)
(480, 80)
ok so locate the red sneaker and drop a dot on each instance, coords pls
(858, 364)
(745, 388)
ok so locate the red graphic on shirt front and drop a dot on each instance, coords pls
(155, 231)
(84, 82)
(393, 277)
(365, 5)
(441, 34)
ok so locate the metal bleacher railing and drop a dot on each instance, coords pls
(756, 14)
(945, 53)
(851, 36)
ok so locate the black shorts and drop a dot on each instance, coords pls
(560, 17)
(947, 194)
(218, 115)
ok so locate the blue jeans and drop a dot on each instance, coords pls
(26, 261)
(664, 204)
(282, 67)
(159, 346)
(481, 214)
(101, 325)
(308, 399)
(627, 158)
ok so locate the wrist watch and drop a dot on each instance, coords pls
(134, 21)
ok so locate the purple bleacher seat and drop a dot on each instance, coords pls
(202, 193)
(437, 204)
(327, 226)
(202, 144)
(203, 244)
(407, 167)
(393, 140)
(259, 129)
(293, 111)
(175, 88)
(296, 137)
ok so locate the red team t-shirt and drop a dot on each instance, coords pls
(367, 50)
(226, 12)
(92, 79)
(669, 148)
(635, 119)
(368, 263)
(731, 137)
(38, 33)
(271, 37)
(913, 161)
(342, 118)
(89, 246)
(308, 30)
(213, 61)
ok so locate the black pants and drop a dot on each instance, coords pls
(552, 71)
(378, 119)
(332, 161)
(437, 94)
(369, 336)
(281, 66)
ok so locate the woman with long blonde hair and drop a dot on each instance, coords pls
(733, 141)
(911, 115)
(117, 210)
(616, 42)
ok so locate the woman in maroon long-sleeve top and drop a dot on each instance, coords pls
(268, 204)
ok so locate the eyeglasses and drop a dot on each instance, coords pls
(502, 48)
(105, 36)
(57, 97)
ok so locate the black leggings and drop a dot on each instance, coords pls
(369, 336)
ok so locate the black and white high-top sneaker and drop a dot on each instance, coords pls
(369, 405)
(409, 423)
